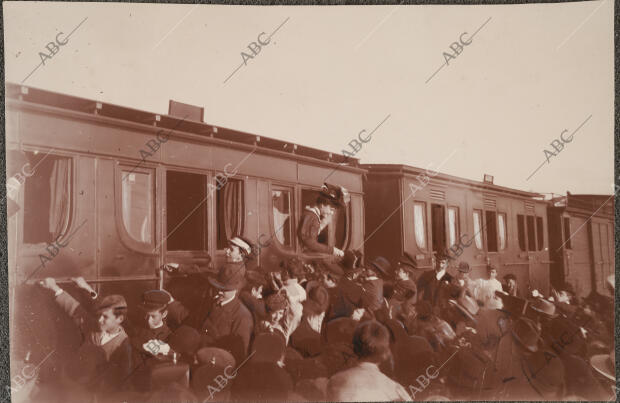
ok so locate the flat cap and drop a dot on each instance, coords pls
(113, 301)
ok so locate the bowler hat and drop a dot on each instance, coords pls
(512, 305)
(464, 267)
(215, 357)
(184, 340)
(113, 301)
(382, 265)
(155, 299)
(317, 301)
(467, 305)
(526, 333)
(544, 307)
(406, 262)
(229, 277)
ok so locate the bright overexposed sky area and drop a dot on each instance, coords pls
(329, 72)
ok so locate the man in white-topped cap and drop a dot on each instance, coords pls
(239, 250)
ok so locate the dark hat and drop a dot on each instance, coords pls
(341, 330)
(464, 267)
(544, 307)
(604, 365)
(382, 266)
(442, 254)
(294, 266)
(317, 301)
(184, 340)
(336, 195)
(467, 305)
(255, 278)
(512, 305)
(213, 362)
(269, 347)
(275, 302)
(229, 277)
(424, 309)
(406, 288)
(526, 333)
(155, 299)
(510, 276)
(215, 357)
(168, 373)
(113, 301)
(408, 263)
(568, 287)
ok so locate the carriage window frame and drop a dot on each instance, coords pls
(123, 172)
(71, 208)
(291, 217)
(423, 222)
(479, 241)
(303, 190)
(566, 232)
(540, 233)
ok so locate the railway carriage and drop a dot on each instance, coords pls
(582, 241)
(421, 213)
(114, 193)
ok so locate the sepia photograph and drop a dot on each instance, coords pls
(312, 202)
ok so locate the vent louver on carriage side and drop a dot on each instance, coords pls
(437, 194)
(489, 202)
(529, 207)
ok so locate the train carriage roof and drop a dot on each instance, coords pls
(52, 99)
(399, 170)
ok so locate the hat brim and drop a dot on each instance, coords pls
(599, 363)
(550, 316)
(532, 348)
(226, 287)
(463, 310)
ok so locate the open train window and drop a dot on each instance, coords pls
(419, 224)
(539, 233)
(567, 235)
(230, 210)
(478, 228)
(186, 211)
(438, 227)
(521, 231)
(282, 215)
(337, 231)
(47, 197)
(453, 226)
(138, 203)
(491, 227)
(501, 230)
(531, 234)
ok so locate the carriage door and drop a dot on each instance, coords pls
(438, 227)
(600, 253)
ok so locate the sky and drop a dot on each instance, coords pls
(523, 76)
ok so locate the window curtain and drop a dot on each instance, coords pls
(502, 231)
(478, 229)
(233, 209)
(59, 197)
(420, 232)
(452, 226)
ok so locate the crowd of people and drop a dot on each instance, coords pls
(348, 329)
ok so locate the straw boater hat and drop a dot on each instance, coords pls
(604, 365)
(243, 244)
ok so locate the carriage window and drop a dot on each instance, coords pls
(501, 228)
(567, 235)
(230, 211)
(281, 199)
(336, 231)
(478, 228)
(419, 219)
(531, 235)
(137, 192)
(491, 227)
(47, 197)
(186, 211)
(453, 225)
(521, 230)
(539, 233)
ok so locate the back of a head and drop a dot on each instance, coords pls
(371, 342)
